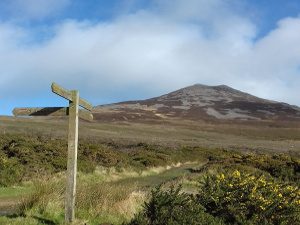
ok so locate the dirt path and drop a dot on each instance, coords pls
(154, 180)
(8, 206)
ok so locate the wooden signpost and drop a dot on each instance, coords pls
(73, 112)
(51, 111)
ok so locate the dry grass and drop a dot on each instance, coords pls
(106, 195)
(102, 199)
(263, 135)
(46, 194)
(110, 174)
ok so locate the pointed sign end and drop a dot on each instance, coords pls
(14, 112)
(53, 85)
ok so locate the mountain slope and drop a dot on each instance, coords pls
(200, 102)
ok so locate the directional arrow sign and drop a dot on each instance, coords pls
(68, 95)
(51, 111)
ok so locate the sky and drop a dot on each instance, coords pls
(118, 50)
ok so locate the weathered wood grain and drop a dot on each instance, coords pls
(73, 112)
(72, 158)
(67, 95)
(50, 111)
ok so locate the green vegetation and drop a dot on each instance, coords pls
(107, 195)
(115, 179)
(243, 198)
(14, 191)
(224, 198)
(173, 207)
(24, 157)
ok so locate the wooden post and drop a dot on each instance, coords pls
(73, 112)
(72, 158)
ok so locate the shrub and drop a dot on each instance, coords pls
(172, 207)
(242, 198)
(10, 171)
(282, 166)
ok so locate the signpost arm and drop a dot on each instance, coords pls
(72, 157)
(51, 111)
(68, 95)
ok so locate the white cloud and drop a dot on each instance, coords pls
(152, 52)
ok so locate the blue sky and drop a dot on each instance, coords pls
(120, 50)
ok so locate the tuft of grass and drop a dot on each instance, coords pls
(45, 198)
(100, 201)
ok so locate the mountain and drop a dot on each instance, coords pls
(200, 102)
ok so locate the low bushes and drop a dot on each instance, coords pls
(225, 198)
(283, 166)
(24, 157)
(242, 198)
(173, 207)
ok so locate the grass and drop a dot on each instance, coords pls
(107, 195)
(262, 135)
(115, 195)
(119, 163)
(14, 191)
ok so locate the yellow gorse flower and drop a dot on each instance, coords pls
(263, 208)
(236, 173)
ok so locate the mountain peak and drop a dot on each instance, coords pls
(204, 94)
(200, 87)
(197, 85)
(200, 101)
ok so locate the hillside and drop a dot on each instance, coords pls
(151, 143)
(200, 102)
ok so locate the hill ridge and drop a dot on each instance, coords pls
(203, 102)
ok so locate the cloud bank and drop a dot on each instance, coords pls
(153, 51)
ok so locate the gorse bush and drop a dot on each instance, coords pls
(241, 198)
(173, 207)
(225, 198)
(283, 166)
